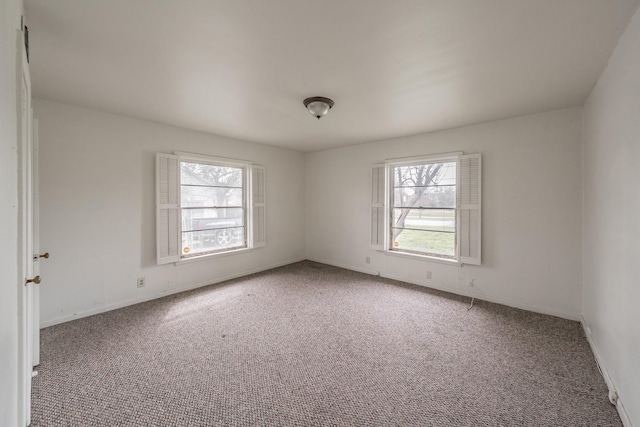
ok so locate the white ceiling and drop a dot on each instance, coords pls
(241, 68)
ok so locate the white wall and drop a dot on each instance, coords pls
(10, 11)
(612, 218)
(97, 209)
(531, 210)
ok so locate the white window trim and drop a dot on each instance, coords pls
(453, 262)
(249, 169)
(386, 166)
(212, 160)
(419, 159)
(198, 258)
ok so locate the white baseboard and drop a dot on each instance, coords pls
(613, 392)
(346, 267)
(498, 300)
(126, 303)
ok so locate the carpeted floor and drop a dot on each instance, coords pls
(313, 345)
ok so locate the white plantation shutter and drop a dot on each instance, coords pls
(258, 212)
(167, 208)
(378, 184)
(469, 208)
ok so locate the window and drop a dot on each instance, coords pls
(207, 206)
(423, 209)
(212, 207)
(428, 207)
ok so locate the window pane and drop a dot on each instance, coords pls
(201, 174)
(197, 242)
(428, 197)
(213, 211)
(426, 242)
(423, 175)
(423, 208)
(425, 219)
(213, 218)
(195, 196)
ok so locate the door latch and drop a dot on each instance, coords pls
(35, 280)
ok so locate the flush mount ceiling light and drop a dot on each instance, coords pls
(318, 106)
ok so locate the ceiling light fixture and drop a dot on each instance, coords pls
(318, 106)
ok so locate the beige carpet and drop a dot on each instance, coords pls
(313, 345)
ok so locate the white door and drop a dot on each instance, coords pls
(25, 232)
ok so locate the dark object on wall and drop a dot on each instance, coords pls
(25, 29)
(26, 41)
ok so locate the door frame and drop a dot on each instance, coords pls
(35, 176)
(25, 233)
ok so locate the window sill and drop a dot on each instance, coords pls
(212, 256)
(451, 262)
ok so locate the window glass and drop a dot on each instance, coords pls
(212, 201)
(423, 209)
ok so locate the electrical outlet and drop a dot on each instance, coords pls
(141, 282)
(428, 275)
(368, 260)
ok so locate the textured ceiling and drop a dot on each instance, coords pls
(241, 68)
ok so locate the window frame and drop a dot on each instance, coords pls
(468, 181)
(218, 162)
(391, 214)
(169, 210)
